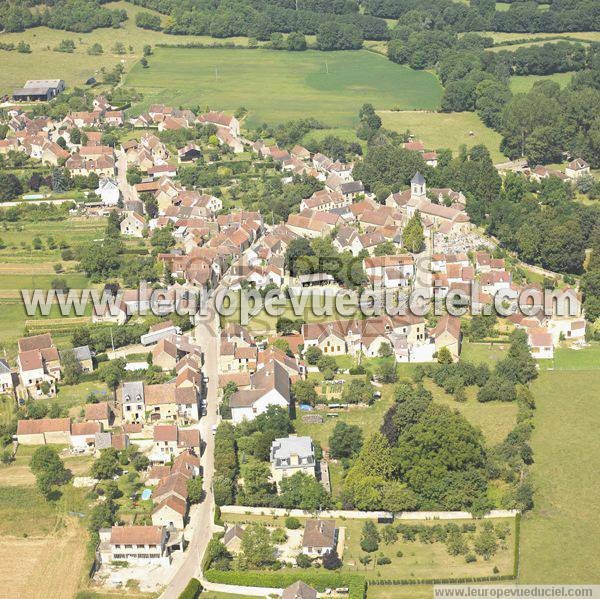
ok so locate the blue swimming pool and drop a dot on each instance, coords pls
(146, 493)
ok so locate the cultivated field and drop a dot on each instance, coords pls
(278, 86)
(559, 538)
(445, 130)
(23, 267)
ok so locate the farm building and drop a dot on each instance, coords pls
(39, 89)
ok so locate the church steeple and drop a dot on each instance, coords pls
(418, 189)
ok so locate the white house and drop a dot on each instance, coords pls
(6, 382)
(143, 545)
(270, 386)
(290, 455)
(133, 225)
(320, 536)
(540, 343)
(108, 191)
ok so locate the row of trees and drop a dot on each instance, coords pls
(80, 16)
(337, 29)
(481, 15)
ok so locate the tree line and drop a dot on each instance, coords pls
(80, 16)
(481, 15)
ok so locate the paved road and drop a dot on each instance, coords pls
(207, 335)
(127, 191)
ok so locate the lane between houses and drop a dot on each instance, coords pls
(207, 335)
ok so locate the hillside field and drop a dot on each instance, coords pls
(445, 130)
(559, 536)
(278, 86)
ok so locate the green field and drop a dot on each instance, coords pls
(445, 130)
(278, 86)
(559, 538)
(77, 67)
(521, 84)
(500, 36)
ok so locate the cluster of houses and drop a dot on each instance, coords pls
(39, 366)
(574, 170)
(39, 138)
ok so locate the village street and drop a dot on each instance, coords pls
(207, 336)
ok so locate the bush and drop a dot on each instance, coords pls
(383, 561)
(470, 558)
(192, 590)
(331, 561)
(303, 561)
(292, 523)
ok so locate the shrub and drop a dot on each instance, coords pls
(278, 536)
(470, 558)
(192, 590)
(292, 523)
(303, 561)
(383, 561)
(369, 540)
(332, 561)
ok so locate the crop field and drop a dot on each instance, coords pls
(278, 86)
(445, 130)
(559, 537)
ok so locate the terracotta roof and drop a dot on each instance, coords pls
(136, 535)
(35, 342)
(174, 484)
(165, 432)
(175, 503)
(31, 360)
(43, 425)
(85, 428)
(97, 411)
(319, 533)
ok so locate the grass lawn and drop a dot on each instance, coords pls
(559, 538)
(421, 560)
(570, 359)
(495, 419)
(369, 419)
(22, 267)
(24, 511)
(69, 396)
(445, 130)
(489, 353)
(278, 86)
(521, 84)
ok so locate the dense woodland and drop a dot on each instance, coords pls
(261, 18)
